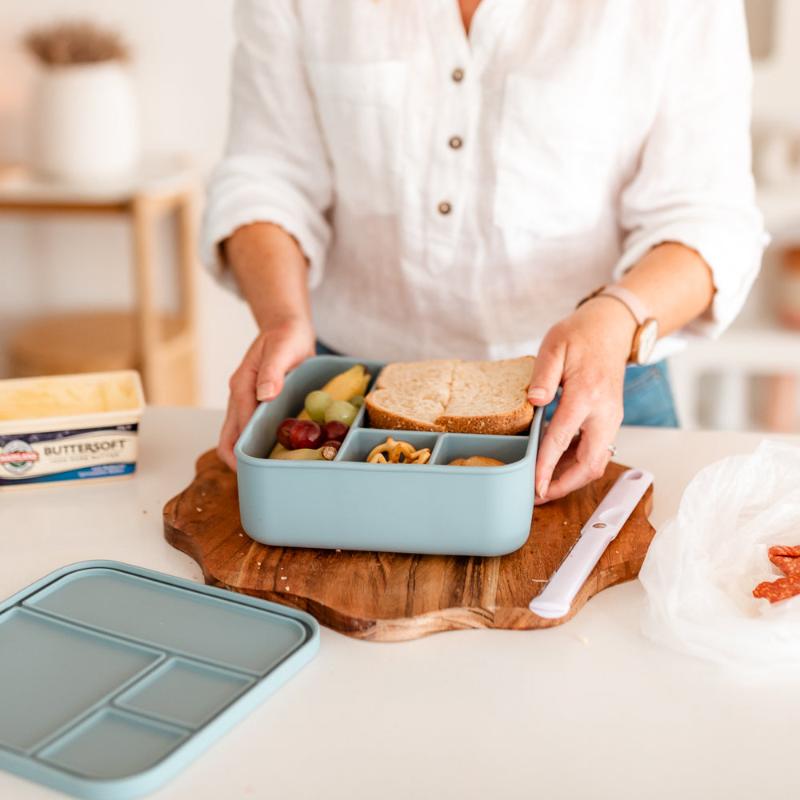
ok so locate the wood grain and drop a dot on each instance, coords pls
(391, 596)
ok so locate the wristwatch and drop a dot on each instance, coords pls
(646, 334)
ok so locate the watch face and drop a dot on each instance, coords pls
(648, 334)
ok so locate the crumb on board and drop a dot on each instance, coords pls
(284, 578)
(198, 509)
(582, 639)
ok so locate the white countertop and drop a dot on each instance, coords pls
(587, 710)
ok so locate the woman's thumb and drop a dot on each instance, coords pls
(547, 371)
(275, 363)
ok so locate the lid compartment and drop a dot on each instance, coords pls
(184, 692)
(183, 621)
(57, 672)
(113, 744)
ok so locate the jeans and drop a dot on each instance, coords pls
(647, 395)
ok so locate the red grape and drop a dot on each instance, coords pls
(305, 433)
(285, 432)
(335, 431)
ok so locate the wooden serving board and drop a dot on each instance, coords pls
(391, 596)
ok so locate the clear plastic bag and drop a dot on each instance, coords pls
(703, 565)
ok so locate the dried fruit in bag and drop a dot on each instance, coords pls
(786, 559)
(780, 589)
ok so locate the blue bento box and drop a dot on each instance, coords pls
(350, 504)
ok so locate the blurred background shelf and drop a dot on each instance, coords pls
(95, 341)
(750, 377)
(746, 380)
(161, 344)
(780, 205)
(157, 175)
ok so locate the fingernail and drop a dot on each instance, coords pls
(543, 487)
(265, 391)
(537, 395)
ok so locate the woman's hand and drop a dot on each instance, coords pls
(274, 352)
(585, 354)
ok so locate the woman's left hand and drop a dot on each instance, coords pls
(585, 354)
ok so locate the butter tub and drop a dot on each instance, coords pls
(69, 427)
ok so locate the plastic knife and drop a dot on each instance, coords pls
(596, 535)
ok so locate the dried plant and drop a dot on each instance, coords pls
(75, 42)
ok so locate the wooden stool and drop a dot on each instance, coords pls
(161, 346)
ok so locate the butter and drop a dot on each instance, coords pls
(65, 396)
(69, 427)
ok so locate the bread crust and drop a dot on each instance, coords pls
(499, 424)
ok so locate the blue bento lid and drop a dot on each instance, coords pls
(114, 678)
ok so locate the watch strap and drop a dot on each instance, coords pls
(629, 299)
(635, 306)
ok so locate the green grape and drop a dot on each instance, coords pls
(357, 400)
(317, 403)
(341, 411)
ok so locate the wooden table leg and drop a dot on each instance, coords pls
(167, 343)
(187, 264)
(144, 273)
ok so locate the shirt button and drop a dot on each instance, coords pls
(455, 142)
(457, 75)
(444, 207)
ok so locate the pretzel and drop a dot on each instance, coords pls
(392, 452)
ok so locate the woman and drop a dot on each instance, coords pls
(410, 179)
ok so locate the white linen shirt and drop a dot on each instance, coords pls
(457, 195)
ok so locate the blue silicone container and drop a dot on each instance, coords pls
(114, 678)
(353, 505)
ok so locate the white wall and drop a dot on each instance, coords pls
(182, 50)
(181, 59)
(776, 96)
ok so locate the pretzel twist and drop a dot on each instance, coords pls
(393, 452)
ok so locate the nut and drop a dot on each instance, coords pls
(476, 461)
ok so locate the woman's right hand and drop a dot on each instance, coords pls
(274, 352)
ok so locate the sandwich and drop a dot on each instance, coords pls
(453, 395)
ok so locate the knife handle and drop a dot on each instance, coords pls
(601, 529)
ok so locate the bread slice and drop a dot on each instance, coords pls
(489, 397)
(411, 396)
(452, 395)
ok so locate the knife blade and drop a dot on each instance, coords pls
(600, 530)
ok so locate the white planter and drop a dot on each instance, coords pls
(85, 123)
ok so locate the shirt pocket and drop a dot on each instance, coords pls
(361, 114)
(555, 157)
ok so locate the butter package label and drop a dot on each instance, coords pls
(68, 455)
